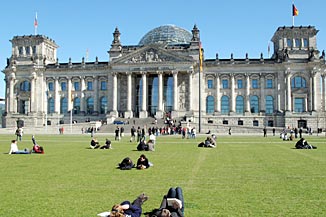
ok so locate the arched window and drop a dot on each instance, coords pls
(225, 105)
(64, 105)
(239, 106)
(90, 105)
(76, 105)
(254, 104)
(298, 82)
(210, 105)
(269, 105)
(50, 105)
(25, 86)
(103, 105)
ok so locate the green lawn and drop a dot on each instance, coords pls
(243, 176)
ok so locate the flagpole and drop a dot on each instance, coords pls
(292, 12)
(35, 24)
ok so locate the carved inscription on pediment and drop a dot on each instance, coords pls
(148, 56)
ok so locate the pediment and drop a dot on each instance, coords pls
(151, 55)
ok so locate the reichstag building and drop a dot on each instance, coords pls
(166, 74)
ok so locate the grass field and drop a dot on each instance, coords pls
(243, 176)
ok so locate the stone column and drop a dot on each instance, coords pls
(175, 108)
(313, 89)
(190, 91)
(323, 93)
(96, 94)
(232, 99)
(310, 94)
(288, 90)
(114, 111)
(159, 112)
(33, 92)
(56, 96)
(82, 96)
(247, 98)
(218, 93)
(277, 93)
(128, 113)
(175, 90)
(143, 112)
(70, 96)
(12, 107)
(262, 93)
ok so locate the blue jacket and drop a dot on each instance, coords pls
(133, 211)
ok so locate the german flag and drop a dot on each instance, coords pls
(295, 11)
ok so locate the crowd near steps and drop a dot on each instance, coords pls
(109, 128)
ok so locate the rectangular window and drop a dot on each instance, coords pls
(209, 84)
(305, 42)
(254, 83)
(76, 85)
(28, 51)
(63, 86)
(289, 42)
(240, 84)
(297, 42)
(51, 86)
(225, 84)
(21, 51)
(103, 85)
(299, 105)
(34, 50)
(89, 85)
(269, 83)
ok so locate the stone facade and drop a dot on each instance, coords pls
(163, 77)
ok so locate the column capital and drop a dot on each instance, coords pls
(159, 72)
(174, 72)
(314, 71)
(323, 75)
(114, 73)
(190, 72)
(143, 73)
(12, 76)
(33, 76)
(288, 71)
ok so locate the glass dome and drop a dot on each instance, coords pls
(166, 34)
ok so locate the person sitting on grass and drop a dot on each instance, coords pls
(172, 205)
(107, 144)
(94, 144)
(303, 144)
(142, 146)
(37, 148)
(127, 209)
(142, 162)
(14, 148)
(210, 142)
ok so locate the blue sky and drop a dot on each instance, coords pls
(233, 26)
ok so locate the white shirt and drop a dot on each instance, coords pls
(13, 148)
(152, 137)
